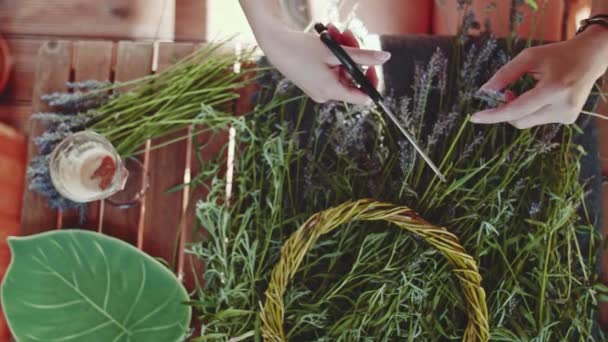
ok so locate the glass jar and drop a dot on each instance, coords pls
(85, 167)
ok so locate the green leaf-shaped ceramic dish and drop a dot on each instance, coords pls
(76, 285)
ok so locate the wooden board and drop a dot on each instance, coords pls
(164, 211)
(190, 23)
(52, 73)
(24, 52)
(118, 19)
(92, 61)
(133, 60)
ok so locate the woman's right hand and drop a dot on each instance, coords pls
(305, 60)
(310, 65)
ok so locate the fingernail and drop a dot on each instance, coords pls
(383, 55)
(484, 88)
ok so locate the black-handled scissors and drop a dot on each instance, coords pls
(368, 88)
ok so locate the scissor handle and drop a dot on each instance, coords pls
(347, 62)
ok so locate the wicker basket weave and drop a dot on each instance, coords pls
(296, 247)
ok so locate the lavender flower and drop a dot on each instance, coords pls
(308, 170)
(39, 180)
(534, 208)
(546, 144)
(466, 70)
(424, 82)
(442, 82)
(491, 98)
(499, 61)
(407, 156)
(486, 52)
(472, 147)
(475, 61)
(77, 101)
(550, 132)
(401, 106)
(87, 85)
(442, 127)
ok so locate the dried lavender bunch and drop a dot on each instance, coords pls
(39, 179)
(79, 101)
(75, 115)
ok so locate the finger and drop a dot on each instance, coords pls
(372, 76)
(353, 95)
(361, 56)
(349, 39)
(544, 116)
(340, 90)
(335, 34)
(522, 106)
(347, 79)
(510, 72)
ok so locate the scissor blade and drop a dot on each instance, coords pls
(411, 139)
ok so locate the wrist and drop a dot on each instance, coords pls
(597, 37)
(264, 17)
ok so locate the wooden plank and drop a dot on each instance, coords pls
(117, 19)
(52, 72)
(163, 215)
(209, 146)
(204, 148)
(243, 104)
(133, 60)
(190, 20)
(24, 52)
(16, 115)
(92, 61)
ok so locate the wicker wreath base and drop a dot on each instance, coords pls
(296, 247)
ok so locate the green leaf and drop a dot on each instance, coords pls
(76, 285)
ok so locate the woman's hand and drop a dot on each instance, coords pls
(565, 74)
(305, 60)
(310, 65)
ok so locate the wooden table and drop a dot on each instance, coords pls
(162, 224)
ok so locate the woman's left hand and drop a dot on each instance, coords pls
(565, 72)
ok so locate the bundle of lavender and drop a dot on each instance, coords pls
(516, 200)
(154, 106)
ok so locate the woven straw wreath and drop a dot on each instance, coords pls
(296, 247)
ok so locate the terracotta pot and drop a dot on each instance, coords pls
(546, 23)
(6, 64)
(383, 16)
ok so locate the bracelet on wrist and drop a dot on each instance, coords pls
(600, 19)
